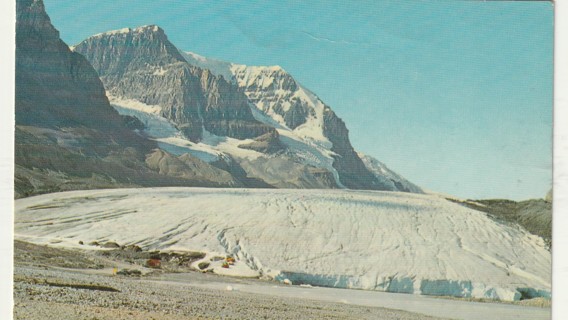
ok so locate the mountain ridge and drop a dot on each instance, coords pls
(141, 115)
(67, 135)
(303, 129)
(147, 67)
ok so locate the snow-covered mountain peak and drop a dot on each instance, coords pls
(215, 66)
(260, 69)
(273, 91)
(198, 57)
(224, 68)
(152, 28)
(388, 177)
(276, 93)
(264, 77)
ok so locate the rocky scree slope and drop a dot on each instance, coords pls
(534, 215)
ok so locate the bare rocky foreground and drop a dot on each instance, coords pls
(51, 283)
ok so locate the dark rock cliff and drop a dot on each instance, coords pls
(67, 135)
(352, 171)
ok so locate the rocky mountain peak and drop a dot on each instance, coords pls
(119, 50)
(142, 64)
(31, 13)
(54, 86)
(148, 30)
(263, 78)
(151, 28)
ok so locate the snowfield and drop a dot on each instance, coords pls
(385, 241)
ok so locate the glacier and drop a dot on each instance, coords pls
(371, 240)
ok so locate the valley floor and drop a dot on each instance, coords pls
(89, 291)
(42, 292)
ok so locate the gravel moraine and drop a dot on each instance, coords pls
(51, 293)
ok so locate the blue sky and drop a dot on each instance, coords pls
(454, 95)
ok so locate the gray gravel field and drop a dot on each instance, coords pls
(41, 293)
(52, 283)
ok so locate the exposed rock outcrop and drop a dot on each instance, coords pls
(188, 167)
(283, 172)
(268, 143)
(66, 129)
(353, 173)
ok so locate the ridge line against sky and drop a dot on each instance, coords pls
(455, 96)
